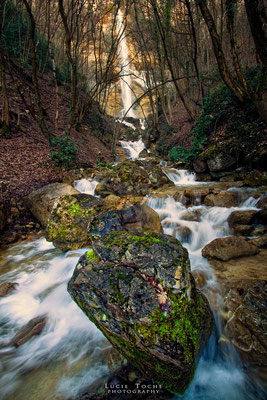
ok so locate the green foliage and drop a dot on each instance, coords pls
(64, 151)
(220, 108)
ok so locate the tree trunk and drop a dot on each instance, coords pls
(5, 106)
(42, 120)
(218, 52)
(73, 66)
(257, 18)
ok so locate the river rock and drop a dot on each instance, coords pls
(229, 247)
(246, 322)
(131, 178)
(222, 199)
(7, 287)
(41, 202)
(220, 162)
(183, 233)
(200, 166)
(34, 327)
(241, 218)
(260, 242)
(75, 219)
(191, 215)
(137, 288)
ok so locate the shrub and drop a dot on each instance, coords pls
(221, 108)
(64, 151)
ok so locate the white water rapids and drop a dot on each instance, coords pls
(69, 355)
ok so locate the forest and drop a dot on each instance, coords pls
(133, 206)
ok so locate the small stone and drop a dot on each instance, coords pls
(7, 287)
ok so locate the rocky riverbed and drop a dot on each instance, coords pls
(151, 305)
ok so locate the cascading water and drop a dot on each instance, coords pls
(216, 377)
(125, 75)
(67, 351)
(86, 185)
(180, 176)
(133, 149)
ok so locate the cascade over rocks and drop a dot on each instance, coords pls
(138, 290)
(76, 219)
(132, 178)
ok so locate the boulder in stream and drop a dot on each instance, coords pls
(229, 247)
(41, 201)
(221, 162)
(76, 219)
(34, 327)
(138, 290)
(132, 178)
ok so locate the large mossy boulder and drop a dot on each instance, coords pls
(41, 201)
(132, 178)
(138, 290)
(76, 219)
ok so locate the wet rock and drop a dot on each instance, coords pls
(137, 288)
(222, 199)
(203, 177)
(259, 230)
(197, 195)
(199, 166)
(144, 153)
(237, 218)
(191, 215)
(246, 322)
(41, 202)
(75, 219)
(243, 229)
(34, 327)
(229, 247)
(7, 288)
(220, 162)
(2, 218)
(9, 237)
(251, 267)
(260, 242)
(131, 178)
(200, 278)
(183, 233)
(262, 203)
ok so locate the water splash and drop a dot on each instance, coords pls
(181, 176)
(86, 185)
(133, 149)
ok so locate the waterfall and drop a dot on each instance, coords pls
(125, 75)
(133, 149)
